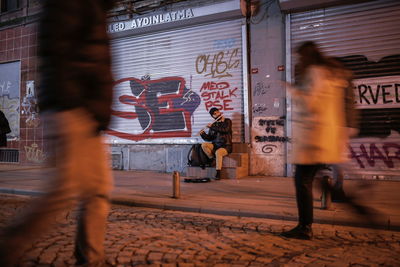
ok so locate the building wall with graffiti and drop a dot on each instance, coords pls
(268, 102)
(167, 83)
(375, 152)
(18, 84)
(10, 95)
(370, 48)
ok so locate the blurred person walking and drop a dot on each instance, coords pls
(4, 129)
(75, 100)
(320, 135)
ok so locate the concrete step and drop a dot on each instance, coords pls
(236, 160)
(234, 166)
(240, 148)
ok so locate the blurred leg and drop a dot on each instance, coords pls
(304, 177)
(61, 195)
(87, 153)
(95, 205)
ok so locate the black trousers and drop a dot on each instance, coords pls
(303, 178)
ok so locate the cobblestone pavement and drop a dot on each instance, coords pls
(150, 237)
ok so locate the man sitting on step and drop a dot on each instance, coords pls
(219, 139)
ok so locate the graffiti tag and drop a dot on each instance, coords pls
(259, 108)
(5, 87)
(34, 154)
(274, 130)
(260, 89)
(218, 94)
(390, 153)
(268, 148)
(218, 65)
(378, 94)
(163, 108)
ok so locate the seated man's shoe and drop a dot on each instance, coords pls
(218, 175)
(303, 232)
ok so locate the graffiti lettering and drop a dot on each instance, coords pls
(260, 89)
(391, 152)
(269, 134)
(34, 154)
(5, 87)
(379, 94)
(219, 64)
(270, 130)
(162, 107)
(214, 86)
(259, 108)
(269, 148)
(221, 105)
(217, 95)
(280, 122)
(272, 138)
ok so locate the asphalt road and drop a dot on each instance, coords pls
(152, 237)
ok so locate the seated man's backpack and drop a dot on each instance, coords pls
(197, 157)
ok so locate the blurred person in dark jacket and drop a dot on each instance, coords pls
(75, 100)
(4, 129)
(320, 132)
(219, 139)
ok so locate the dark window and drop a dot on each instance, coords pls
(9, 5)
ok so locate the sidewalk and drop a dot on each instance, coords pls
(262, 197)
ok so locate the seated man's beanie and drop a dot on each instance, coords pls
(212, 110)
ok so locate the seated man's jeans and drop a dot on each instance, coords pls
(219, 154)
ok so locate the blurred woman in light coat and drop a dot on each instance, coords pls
(320, 134)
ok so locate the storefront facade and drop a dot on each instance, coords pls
(18, 83)
(365, 37)
(173, 63)
(170, 68)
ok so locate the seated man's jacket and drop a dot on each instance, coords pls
(220, 135)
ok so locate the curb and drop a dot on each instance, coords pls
(238, 213)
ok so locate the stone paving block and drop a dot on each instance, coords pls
(256, 264)
(138, 259)
(184, 264)
(169, 257)
(154, 257)
(123, 259)
(48, 257)
(141, 251)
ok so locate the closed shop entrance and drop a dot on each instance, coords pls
(365, 37)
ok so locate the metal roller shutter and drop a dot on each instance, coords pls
(167, 82)
(365, 37)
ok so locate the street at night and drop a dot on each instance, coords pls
(152, 237)
(185, 133)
